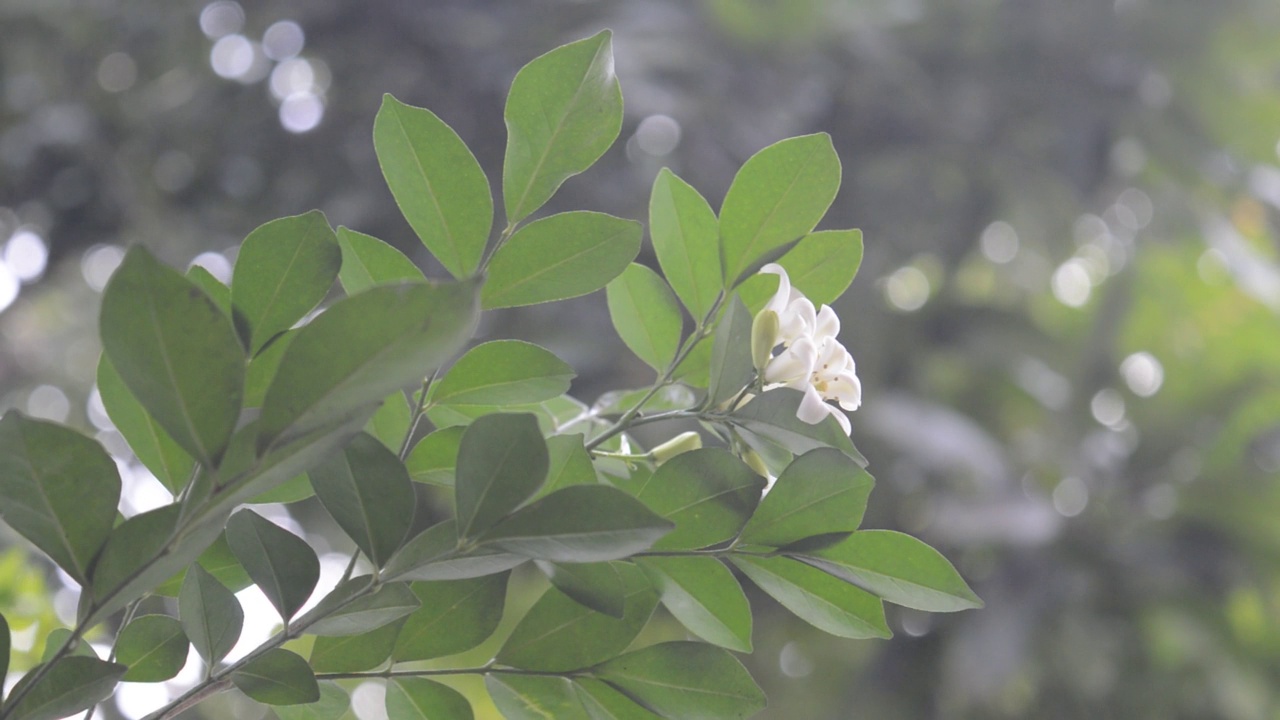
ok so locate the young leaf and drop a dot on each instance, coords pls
(434, 555)
(704, 596)
(687, 680)
(410, 698)
(332, 705)
(58, 489)
(772, 416)
(559, 257)
(645, 314)
(154, 447)
(368, 493)
(558, 634)
(210, 614)
(283, 270)
(176, 352)
(777, 197)
(278, 677)
(154, 647)
(686, 239)
(580, 523)
(361, 349)
(501, 462)
(280, 563)
(819, 599)
(564, 110)
(74, 684)
(731, 365)
(595, 585)
(569, 464)
(533, 697)
(898, 568)
(354, 653)
(820, 492)
(339, 614)
(391, 421)
(603, 702)
(707, 493)
(455, 616)
(368, 261)
(503, 372)
(435, 456)
(437, 183)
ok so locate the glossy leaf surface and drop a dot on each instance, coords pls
(368, 261)
(278, 677)
(154, 647)
(898, 568)
(502, 461)
(368, 493)
(687, 680)
(819, 599)
(645, 314)
(281, 564)
(456, 615)
(503, 372)
(823, 491)
(686, 239)
(705, 597)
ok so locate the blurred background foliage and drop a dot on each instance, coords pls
(1066, 322)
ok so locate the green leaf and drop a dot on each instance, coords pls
(707, 493)
(569, 464)
(456, 615)
(502, 461)
(73, 685)
(532, 697)
(368, 493)
(645, 314)
(772, 416)
(503, 372)
(437, 183)
(59, 637)
(220, 562)
(368, 261)
(705, 597)
(339, 614)
(293, 490)
(218, 292)
(58, 489)
(278, 677)
(558, 634)
(281, 564)
(564, 110)
(150, 443)
(695, 369)
(141, 553)
(154, 647)
(361, 349)
(332, 705)
(731, 364)
(823, 264)
(355, 653)
(580, 523)
(819, 599)
(595, 585)
(603, 702)
(283, 270)
(391, 421)
(898, 568)
(263, 367)
(410, 698)
(435, 456)
(210, 614)
(777, 197)
(686, 239)
(820, 492)
(670, 397)
(686, 680)
(434, 554)
(560, 257)
(176, 352)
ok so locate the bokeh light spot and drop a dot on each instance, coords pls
(283, 40)
(999, 242)
(221, 18)
(216, 263)
(48, 402)
(26, 255)
(1143, 373)
(1071, 283)
(658, 135)
(302, 112)
(907, 289)
(9, 286)
(117, 72)
(97, 264)
(1107, 407)
(1070, 497)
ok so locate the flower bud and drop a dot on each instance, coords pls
(764, 336)
(682, 443)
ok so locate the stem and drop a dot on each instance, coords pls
(484, 670)
(628, 418)
(507, 232)
(418, 413)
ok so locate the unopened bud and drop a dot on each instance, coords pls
(682, 443)
(755, 462)
(764, 336)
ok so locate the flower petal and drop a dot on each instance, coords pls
(812, 409)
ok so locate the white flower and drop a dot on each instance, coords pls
(812, 360)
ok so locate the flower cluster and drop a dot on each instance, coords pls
(811, 359)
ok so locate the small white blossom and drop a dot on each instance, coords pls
(812, 360)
